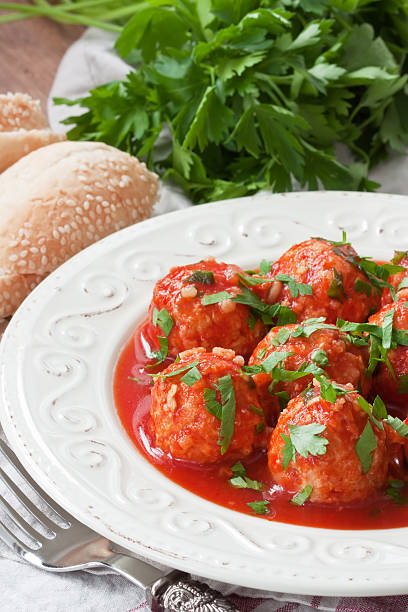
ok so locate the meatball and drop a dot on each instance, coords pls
(336, 476)
(392, 387)
(335, 280)
(226, 323)
(327, 348)
(401, 259)
(181, 418)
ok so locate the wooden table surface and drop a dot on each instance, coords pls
(30, 52)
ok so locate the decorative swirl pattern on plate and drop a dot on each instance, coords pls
(394, 231)
(363, 551)
(108, 292)
(67, 416)
(210, 239)
(143, 266)
(351, 221)
(263, 231)
(153, 499)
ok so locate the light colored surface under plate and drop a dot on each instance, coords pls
(57, 360)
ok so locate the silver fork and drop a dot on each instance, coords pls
(72, 546)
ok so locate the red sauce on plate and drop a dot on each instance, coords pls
(132, 400)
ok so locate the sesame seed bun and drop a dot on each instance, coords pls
(60, 199)
(14, 145)
(23, 128)
(20, 112)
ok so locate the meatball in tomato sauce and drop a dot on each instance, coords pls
(203, 408)
(336, 287)
(337, 475)
(327, 348)
(198, 319)
(391, 381)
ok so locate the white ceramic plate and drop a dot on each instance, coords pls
(57, 362)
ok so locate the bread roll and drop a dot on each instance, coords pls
(20, 112)
(60, 199)
(23, 128)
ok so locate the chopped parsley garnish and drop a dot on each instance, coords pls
(309, 326)
(330, 390)
(240, 479)
(303, 439)
(398, 256)
(336, 289)
(192, 376)
(165, 322)
(320, 356)
(283, 398)
(261, 353)
(387, 329)
(300, 498)
(256, 410)
(378, 415)
(225, 411)
(259, 428)
(382, 338)
(259, 507)
(397, 425)
(403, 284)
(281, 337)
(136, 379)
(363, 287)
(294, 286)
(342, 242)
(189, 366)
(205, 277)
(365, 447)
(254, 280)
(265, 266)
(394, 491)
(215, 298)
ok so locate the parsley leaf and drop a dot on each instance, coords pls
(366, 445)
(259, 507)
(211, 403)
(226, 389)
(336, 289)
(205, 277)
(294, 287)
(320, 357)
(300, 498)
(163, 320)
(305, 439)
(192, 376)
(215, 298)
(243, 482)
(190, 366)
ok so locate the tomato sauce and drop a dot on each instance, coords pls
(132, 398)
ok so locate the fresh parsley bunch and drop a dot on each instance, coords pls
(229, 97)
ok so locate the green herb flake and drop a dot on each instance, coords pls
(397, 425)
(394, 491)
(283, 399)
(281, 337)
(387, 329)
(336, 289)
(265, 267)
(243, 482)
(163, 320)
(294, 286)
(365, 447)
(259, 427)
(215, 298)
(363, 287)
(256, 410)
(306, 439)
(403, 284)
(204, 277)
(259, 507)
(320, 356)
(211, 403)
(300, 498)
(288, 451)
(192, 376)
(226, 389)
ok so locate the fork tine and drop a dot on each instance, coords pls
(10, 455)
(13, 541)
(27, 503)
(19, 521)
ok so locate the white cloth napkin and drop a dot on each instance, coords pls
(90, 62)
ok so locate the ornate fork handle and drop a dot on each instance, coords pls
(177, 592)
